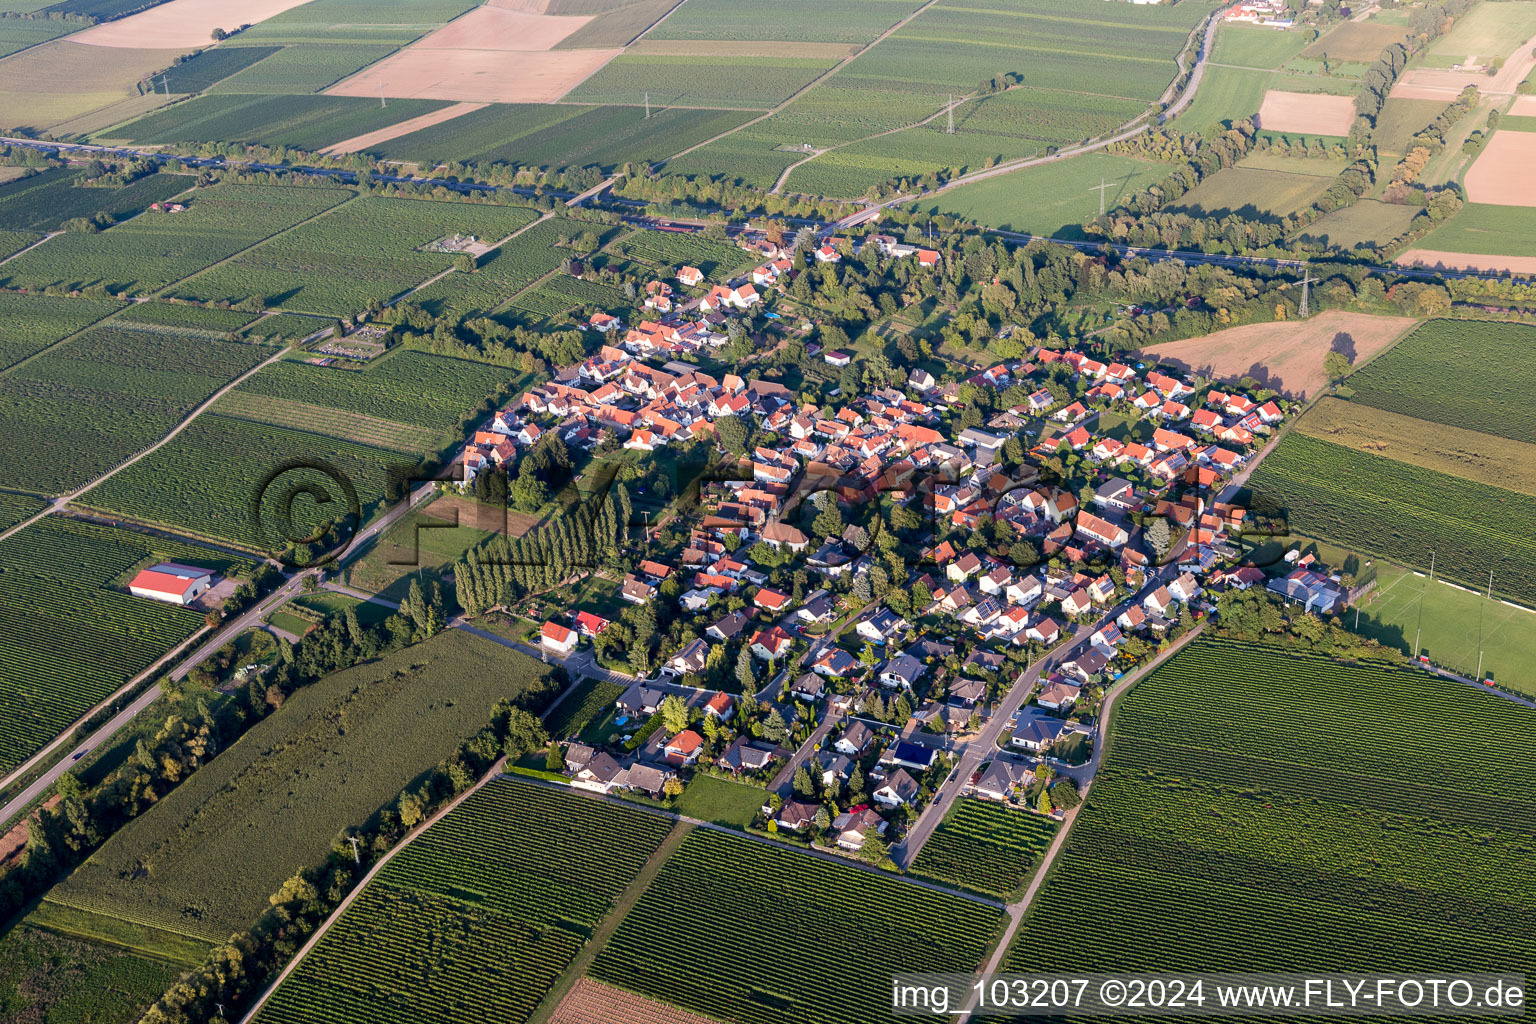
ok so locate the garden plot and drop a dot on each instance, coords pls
(1502, 175)
(471, 59)
(183, 23)
(1306, 113)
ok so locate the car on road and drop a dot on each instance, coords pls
(77, 755)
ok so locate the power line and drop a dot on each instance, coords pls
(647, 106)
(1480, 610)
(1306, 287)
(950, 100)
(1099, 188)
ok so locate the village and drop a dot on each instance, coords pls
(863, 691)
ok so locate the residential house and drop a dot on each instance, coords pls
(901, 671)
(1002, 778)
(684, 748)
(909, 755)
(746, 755)
(809, 687)
(835, 663)
(590, 625)
(854, 740)
(1034, 732)
(797, 814)
(1059, 695)
(557, 639)
(899, 788)
(854, 825)
(690, 660)
(728, 626)
(641, 699)
(770, 644)
(880, 626)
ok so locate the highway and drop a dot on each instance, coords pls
(224, 634)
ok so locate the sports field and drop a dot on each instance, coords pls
(1452, 625)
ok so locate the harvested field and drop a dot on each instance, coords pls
(481, 76)
(1502, 174)
(493, 28)
(1524, 106)
(60, 80)
(461, 511)
(182, 23)
(1455, 451)
(1440, 260)
(1306, 113)
(394, 131)
(1356, 41)
(1438, 84)
(591, 1002)
(1287, 356)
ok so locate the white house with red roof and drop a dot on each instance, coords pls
(171, 582)
(689, 277)
(556, 638)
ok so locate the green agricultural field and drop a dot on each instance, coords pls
(947, 50)
(20, 33)
(736, 83)
(302, 68)
(12, 242)
(803, 21)
(366, 250)
(1252, 192)
(215, 847)
(551, 135)
(985, 847)
(1225, 94)
(487, 908)
(721, 801)
(1443, 447)
(121, 386)
(152, 251)
(590, 700)
(616, 23)
(328, 603)
(430, 392)
(1386, 508)
(750, 156)
(16, 507)
(343, 22)
(1006, 126)
(30, 323)
(666, 251)
(212, 66)
(1400, 120)
(303, 122)
(1052, 199)
(502, 273)
(1453, 626)
(1218, 851)
(287, 327)
(44, 201)
(767, 893)
(1481, 372)
(1486, 230)
(188, 319)
(1356, 41)
(45, 976)
(423, 544)
(1253, 46)
(1487, 31)
(1365, 222)
(194, 485)
(62, 593)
